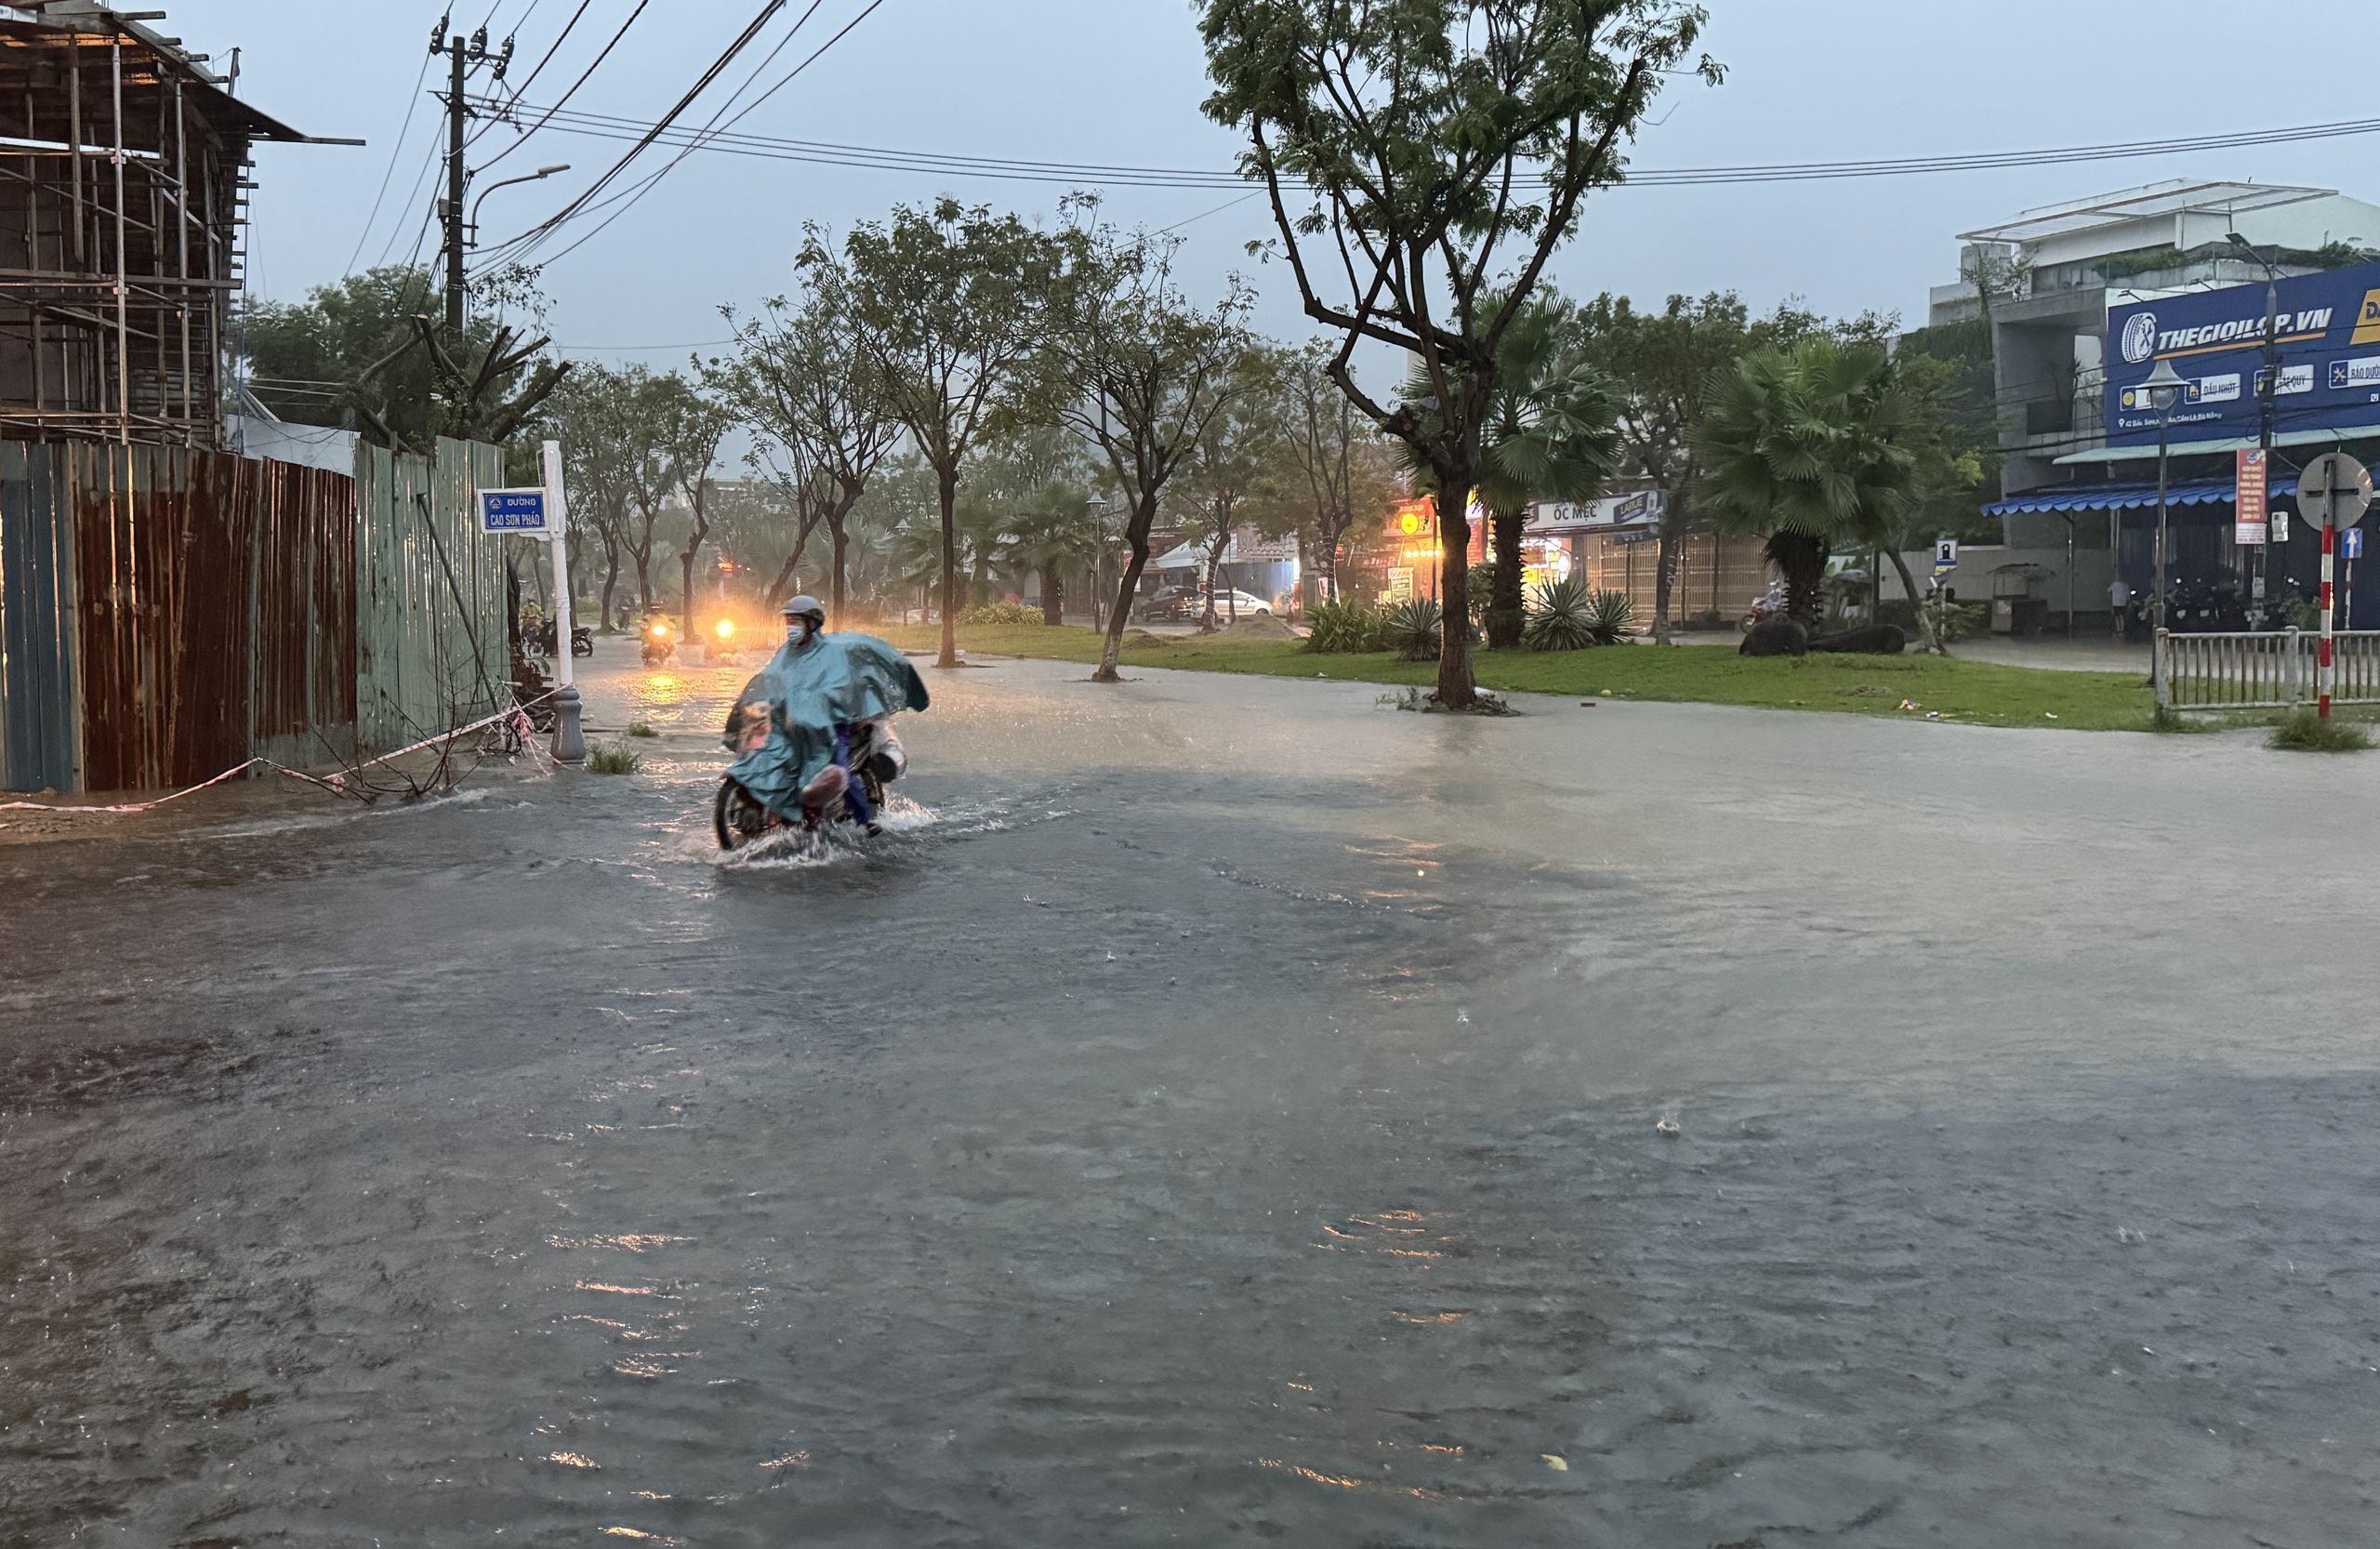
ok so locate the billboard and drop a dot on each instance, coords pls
(2329, 358)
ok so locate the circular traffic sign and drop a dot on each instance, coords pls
(2334, 491)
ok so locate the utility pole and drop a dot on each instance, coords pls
(457, 180)
(461, 55)
(2270, 568)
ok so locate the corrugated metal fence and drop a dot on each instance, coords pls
(432, 652)
(166, 614)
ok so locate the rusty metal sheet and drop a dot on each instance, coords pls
(303, 691)
(163, 540)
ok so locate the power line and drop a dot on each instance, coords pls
(553, 48)
(521, 245)
(507, 108)
(396, 152)
(692, 139)
(514, 92)
(700, 137)
(827, 152)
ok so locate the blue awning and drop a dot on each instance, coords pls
(2114, 498)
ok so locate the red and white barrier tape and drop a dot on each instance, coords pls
(335, 784)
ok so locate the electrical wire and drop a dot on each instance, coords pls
(629, 197)
(396, 152)
(827, 152)
(516, 248)
(553, 48)
(513, 93)
(640, 6)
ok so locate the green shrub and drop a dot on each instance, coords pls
(1560, 618)
(1565, 616)
(1345, 629)
(2309, 733)
(1482, 590)
(642, 729)
(1954, 621)
(1414, 629)
(1002, 613)
(618, 759)
(1609, 614)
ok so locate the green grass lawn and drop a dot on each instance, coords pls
(1978, 692)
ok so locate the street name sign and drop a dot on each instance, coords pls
(2336, 491)
(514, 512)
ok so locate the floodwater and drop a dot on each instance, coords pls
(1223, 1112)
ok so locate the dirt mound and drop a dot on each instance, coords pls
(1262, 626)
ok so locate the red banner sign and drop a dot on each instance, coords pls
(2251, 498)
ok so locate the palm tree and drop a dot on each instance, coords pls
(1050, 534)
(1807, 445)
(1551, 432)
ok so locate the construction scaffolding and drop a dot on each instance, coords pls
(123, 201)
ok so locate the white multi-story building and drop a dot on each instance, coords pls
(2048, 277)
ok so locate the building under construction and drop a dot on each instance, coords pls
(123, 183)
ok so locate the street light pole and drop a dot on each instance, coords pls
(2267, 397)
(471, 226)
(2166, 387)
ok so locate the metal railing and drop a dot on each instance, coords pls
(2273, 669)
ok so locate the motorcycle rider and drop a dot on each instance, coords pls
(805, 622)
(806, 640)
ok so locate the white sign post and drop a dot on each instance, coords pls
(570, 743)
(2335, 491)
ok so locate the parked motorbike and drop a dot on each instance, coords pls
(739, 818)
(582, 639)
(660, 642)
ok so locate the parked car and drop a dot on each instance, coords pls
(1170, 605)
(1239, 604)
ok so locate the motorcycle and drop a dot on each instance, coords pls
(660, 642)
(814, 720)
(720, 649)
(739, 818)
(1770, 604)
(582, 639)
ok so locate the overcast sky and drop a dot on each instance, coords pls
(1118, 81)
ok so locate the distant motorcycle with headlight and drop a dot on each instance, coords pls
(660, 641)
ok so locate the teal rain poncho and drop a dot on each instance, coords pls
(836, 679)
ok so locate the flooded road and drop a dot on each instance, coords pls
(1223, 1111)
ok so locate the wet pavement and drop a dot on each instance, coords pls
(1224, 1111)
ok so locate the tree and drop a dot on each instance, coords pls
(1806, 444)
(1333, 458)
(1446, 147)
(799, 377)
(756, 528)
(691, 435)
(1149, 372)
(591, 416)
(649, 405)
(1665, 363)
(1228, 466)
(1548, 434)
(362, 353)
(949, 306)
